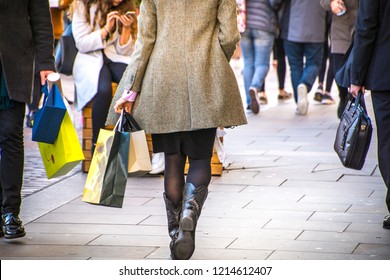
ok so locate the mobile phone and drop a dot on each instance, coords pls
(130, 13)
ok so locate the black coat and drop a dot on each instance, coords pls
(371, 52)
(25, 32)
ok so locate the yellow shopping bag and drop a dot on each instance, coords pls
(65, 154)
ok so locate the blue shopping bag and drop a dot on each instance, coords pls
(48, 119)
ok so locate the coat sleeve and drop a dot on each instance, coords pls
(86, 39)
(367, 26)
(229, 35)
(43, 37)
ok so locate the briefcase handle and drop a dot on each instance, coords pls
(359, 100)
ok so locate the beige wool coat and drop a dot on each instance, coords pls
(180, 67)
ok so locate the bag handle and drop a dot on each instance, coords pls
(132, 123)
(359, 100)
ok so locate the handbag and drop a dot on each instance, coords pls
(107, 175)
(354, 133)
(65, 154)
(48, 118)
(139, 158)
(65, 52)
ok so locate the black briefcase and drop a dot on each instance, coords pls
(353, 135)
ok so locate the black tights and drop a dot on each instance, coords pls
(199, 174)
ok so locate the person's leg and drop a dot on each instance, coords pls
(280, 56)
(247, 48)
(294, 53)
(110, 72)
(381, 104)
(313, 53)
(11, 168)
(173, 194)
(174, 177)
(322, 71)
(343, 92)
(195, 190)
(327, 98)
(101, 103)
(263, 43)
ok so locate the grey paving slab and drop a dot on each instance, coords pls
(307, 225)
(294, 245)
(216, 254)
(65, 252)
(285, 255)
(374, 249)
(157, 241)
(299, 206)
(347, 217)
(366, 228)
(40, 238)
(94, 229)
(82, 218)
(376, 238)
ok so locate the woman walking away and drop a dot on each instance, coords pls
(184, 88)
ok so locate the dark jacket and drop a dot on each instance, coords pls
(25, 30)
(371, 59)
(303, 21)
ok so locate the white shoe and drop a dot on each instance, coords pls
(158, 163)
(303, 102)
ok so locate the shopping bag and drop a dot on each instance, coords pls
(139, 158)
(107, 175)
(65, 52)
(48, 118)
(65, 153)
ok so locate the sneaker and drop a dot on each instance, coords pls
(318, 94)
(386, 222)
(263, 98)
(327, 99)
(255, 102)
(303, 103)
(158, 163)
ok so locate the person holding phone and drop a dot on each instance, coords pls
(20, 57)
(183, 87)
(104, 35)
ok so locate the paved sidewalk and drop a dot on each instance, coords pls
(284, 195)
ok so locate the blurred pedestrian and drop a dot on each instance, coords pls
(183, 88)
(20, 56)
(342, 28)
(370, 70)
(256, 44)
(303, 31)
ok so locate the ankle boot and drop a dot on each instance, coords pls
(173, 216)
(193, 200)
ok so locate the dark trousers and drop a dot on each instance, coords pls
(110, 72)
(381, 104)
(11, 157)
